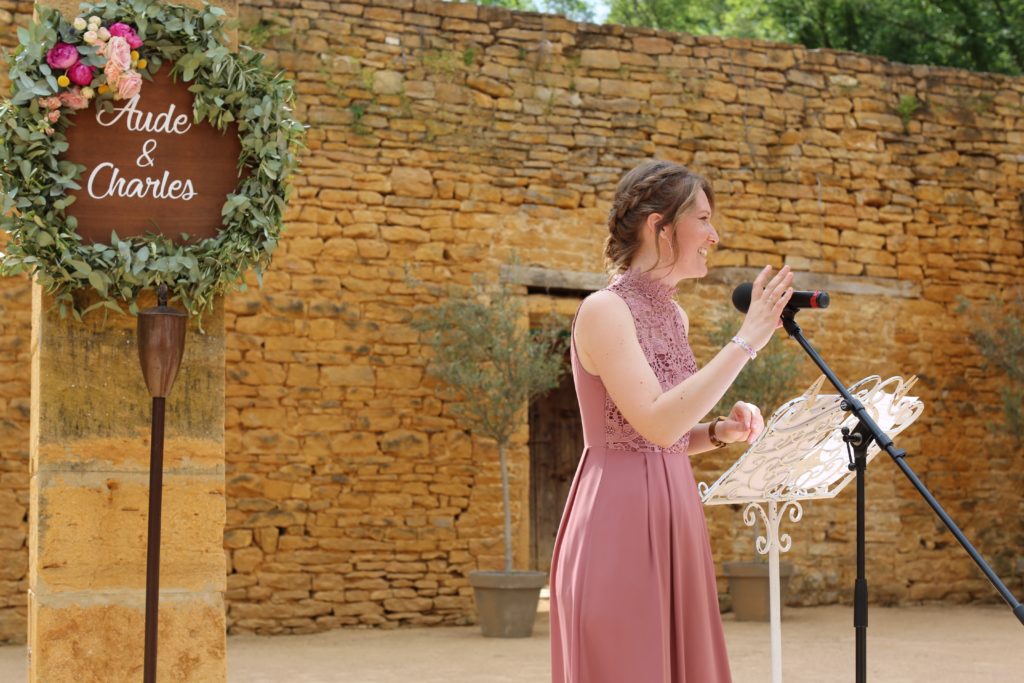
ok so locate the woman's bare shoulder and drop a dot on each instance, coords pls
(602, 322)
(600, 308)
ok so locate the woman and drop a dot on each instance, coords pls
(633, 594)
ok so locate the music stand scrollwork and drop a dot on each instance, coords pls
(801, 455)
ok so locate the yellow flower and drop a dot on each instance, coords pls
(63, 81)
(142, 63)
(103, 88)
(135, 55)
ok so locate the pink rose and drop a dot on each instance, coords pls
(119, 52)
(81, 74)
(122, 30)
(49, 102)
(113, 73)
(73, 98)
(129, 85)
(62, 56)
(53, 116)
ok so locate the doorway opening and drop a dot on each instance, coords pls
(556, 443)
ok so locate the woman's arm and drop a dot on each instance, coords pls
(606, 336)
(699, 440)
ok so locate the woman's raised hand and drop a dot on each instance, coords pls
(744, 423)
(768, 299)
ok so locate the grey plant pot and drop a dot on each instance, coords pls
(750, 591)
(506, 602)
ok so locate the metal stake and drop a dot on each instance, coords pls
(161, 340)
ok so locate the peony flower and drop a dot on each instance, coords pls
(62, 56)
(125, 31)
(79, 24)
(113, 73)
(53, 116)
(119, 52)
(129, 85)
(81, 74)
(74, 98)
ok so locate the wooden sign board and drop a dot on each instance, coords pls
(150, 168)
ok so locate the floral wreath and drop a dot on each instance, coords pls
(61, 67)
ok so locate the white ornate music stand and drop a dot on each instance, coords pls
(801, 456)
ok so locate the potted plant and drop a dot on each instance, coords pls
(749, 588)
(484, 350)
(767, 384)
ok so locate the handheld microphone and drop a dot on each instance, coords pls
(815, 299)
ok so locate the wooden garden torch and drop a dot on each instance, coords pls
(161, 340)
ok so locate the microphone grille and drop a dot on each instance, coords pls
(741, 296)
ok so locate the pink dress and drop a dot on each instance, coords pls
(633, 593)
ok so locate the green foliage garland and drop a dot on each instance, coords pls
(228, 86)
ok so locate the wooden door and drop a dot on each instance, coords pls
(556, 443)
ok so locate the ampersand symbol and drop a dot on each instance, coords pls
(145, 159)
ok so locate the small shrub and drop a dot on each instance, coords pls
(492, 360)
(997, 331)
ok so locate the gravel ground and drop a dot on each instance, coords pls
(962, 644)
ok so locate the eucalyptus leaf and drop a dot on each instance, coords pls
(98, 281)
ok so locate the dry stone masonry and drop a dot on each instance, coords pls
(444, 138)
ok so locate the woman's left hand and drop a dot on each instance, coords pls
(744, 423)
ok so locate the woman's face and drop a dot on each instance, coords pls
(695, 236)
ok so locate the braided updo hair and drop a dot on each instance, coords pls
(662, 187)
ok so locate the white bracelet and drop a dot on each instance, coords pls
(745, 346)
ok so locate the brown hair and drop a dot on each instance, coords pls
(655, 186)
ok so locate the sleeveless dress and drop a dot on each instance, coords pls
(633, 592)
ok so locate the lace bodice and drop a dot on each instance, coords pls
(660, 331)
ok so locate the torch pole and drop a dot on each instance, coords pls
(161, 339)
(156, 488)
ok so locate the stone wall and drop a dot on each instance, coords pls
(443, 138)
(15, 328)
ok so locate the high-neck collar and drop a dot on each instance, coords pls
(643, 284)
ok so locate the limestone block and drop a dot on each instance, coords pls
(599, 59)
(92, 530)
(80, 631)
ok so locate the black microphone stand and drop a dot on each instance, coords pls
(859, 440)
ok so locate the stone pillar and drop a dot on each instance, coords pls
(89, 496)
(90, 441)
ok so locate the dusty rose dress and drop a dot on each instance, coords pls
(633, 595)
